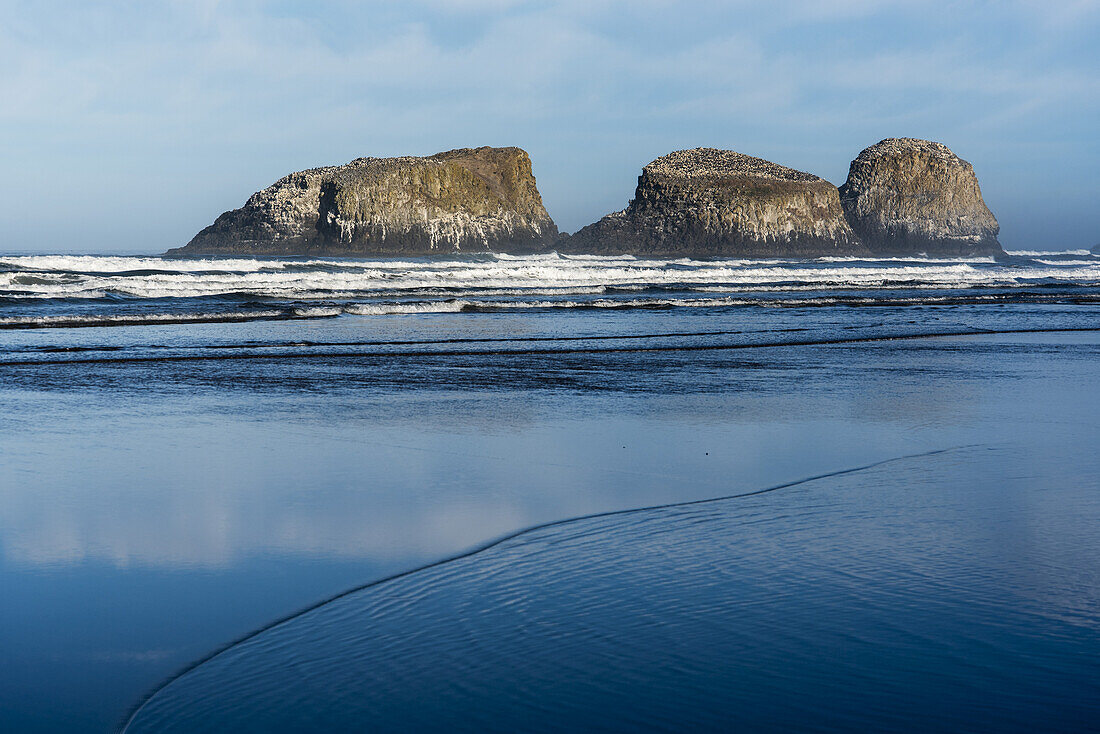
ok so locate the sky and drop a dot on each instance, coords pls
(128, 126)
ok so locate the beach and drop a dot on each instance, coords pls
(195, 450)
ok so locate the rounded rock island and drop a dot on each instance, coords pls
(906, 196)
(706, 202)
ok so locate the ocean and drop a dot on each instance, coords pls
(545, 493)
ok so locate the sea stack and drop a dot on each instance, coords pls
(466, 200)
(706, 202)
(906, 196)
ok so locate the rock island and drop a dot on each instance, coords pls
(706, 202)
(906, 196)
(903, 196)
(466, 200)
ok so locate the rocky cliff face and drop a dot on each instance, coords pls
(718, 203)
(906, 196)
(466, 200)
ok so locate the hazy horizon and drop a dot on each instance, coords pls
(129, 127)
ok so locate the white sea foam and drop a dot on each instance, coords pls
(1047, 253)
(392, 309)
(78, 320)
(321, 288)
(458, 305)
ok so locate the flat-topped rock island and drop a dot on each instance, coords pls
(465, 200)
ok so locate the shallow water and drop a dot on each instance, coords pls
(166, 488)
(909, 596)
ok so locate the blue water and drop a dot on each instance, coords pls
(910, 596)
(248, 438)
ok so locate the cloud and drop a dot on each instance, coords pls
(97, 90)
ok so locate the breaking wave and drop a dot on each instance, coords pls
(43, 291)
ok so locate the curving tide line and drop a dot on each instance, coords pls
(504, 539)
(540, 351)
